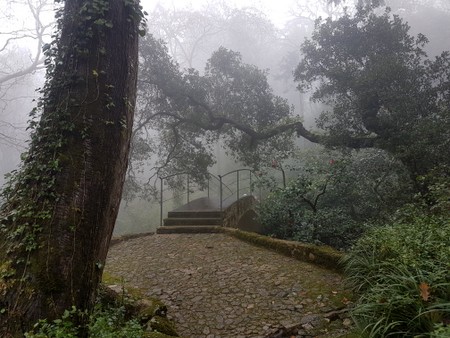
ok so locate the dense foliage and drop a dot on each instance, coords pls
(381, 88)
(331, 194)
(382, 92)
(401, 271)
(103, 322)
(189, 113)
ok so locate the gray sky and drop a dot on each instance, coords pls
(276, 10)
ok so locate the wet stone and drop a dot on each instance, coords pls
(218, 286)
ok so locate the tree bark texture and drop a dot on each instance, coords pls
(88, 108)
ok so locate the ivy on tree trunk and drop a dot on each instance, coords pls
(60, 207)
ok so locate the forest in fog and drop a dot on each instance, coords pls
(191, 34)
(341, 108)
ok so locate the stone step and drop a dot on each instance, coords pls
(172, 221)
(195, 214)
(188, 229)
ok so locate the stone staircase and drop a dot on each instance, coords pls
(191, 221)
(229, 197)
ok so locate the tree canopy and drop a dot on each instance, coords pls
(379, 86)
(231, 103)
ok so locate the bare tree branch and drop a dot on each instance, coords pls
(38, 33)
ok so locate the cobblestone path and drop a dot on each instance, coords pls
(217, 286)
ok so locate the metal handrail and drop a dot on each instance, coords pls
(238, 189)
(222, 186)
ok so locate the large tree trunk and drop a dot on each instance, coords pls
(60, 208)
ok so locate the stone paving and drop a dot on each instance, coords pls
(217, 286)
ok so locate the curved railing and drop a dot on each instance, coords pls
(241, 183)
(232, 184)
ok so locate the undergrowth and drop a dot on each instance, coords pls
(402, 273)
(106, 321)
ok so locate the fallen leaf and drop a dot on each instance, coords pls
(424, 291)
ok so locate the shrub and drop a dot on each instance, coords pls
(111, 323)
(285, 217)
(402, 274)
(335, 227)
(329, 201)
(274, 215)
(63, 327)
(105, 322)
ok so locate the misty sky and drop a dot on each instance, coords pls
(277, 11)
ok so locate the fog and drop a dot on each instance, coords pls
(268, 34)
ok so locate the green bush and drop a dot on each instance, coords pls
(333, 195)
(63, 327)
(286, 217)
(111, 323)
(334, 227)
(104, 322)
(402, 272)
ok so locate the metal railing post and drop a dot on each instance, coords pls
(208, 185)
(161, 204)
(187, 188)
(237, 185)
(250, 179)
(220, 191)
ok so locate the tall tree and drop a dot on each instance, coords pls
(380, 86)
(231, 103)
(60, 207)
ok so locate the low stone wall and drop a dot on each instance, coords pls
(235, 211)
(321, 255)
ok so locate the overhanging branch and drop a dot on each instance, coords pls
(211, 121)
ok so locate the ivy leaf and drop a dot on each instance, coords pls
(100, 22)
